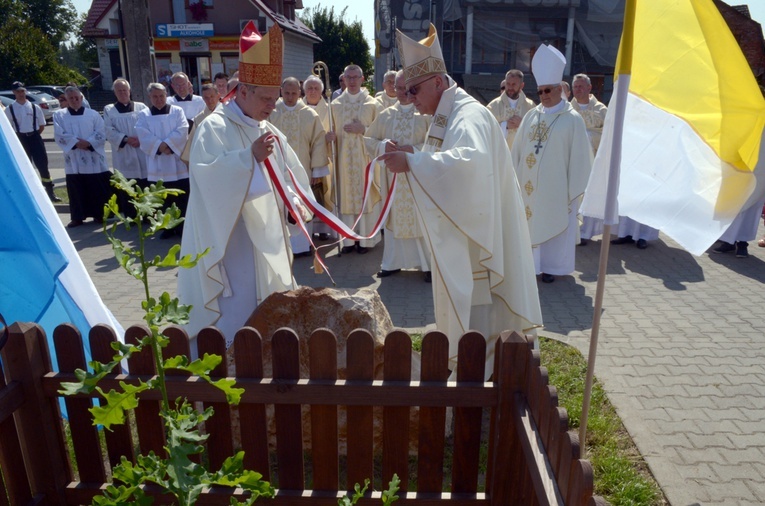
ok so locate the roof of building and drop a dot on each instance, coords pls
(295, 25)
(96, 12)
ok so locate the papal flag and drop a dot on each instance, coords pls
(693, 119)
(42, 278)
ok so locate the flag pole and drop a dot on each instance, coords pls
(623, 71)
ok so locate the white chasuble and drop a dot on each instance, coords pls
(172, 129)
(469, 200)
(384, 101)
(352, 161)
(552, 159)
(305, 133)
(88, 125)
(234, 210)
(502, 108)
(125, 158)
(594, 116)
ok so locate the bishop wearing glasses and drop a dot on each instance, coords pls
(552, 158)
(470, 207)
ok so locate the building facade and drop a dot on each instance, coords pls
(200, 38)
(483, 39)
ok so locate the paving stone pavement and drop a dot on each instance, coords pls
(681, 352)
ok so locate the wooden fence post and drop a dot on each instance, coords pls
(13, 474)
(39, 422)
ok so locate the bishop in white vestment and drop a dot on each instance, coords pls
(234, 209)
(468, 198)
(400, 128)
(552, 159)
(81, 134)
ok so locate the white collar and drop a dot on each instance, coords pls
(288, 107)
(242, 116)
(555, 109)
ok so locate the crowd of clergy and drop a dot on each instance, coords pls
(487, 197)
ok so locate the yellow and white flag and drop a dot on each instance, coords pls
(693, 124)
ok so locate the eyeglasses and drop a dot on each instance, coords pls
(545, 91)
(414, 90)
(350, 78)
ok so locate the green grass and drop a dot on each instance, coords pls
(621, 475)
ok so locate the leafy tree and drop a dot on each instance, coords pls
(55, 18)
(342, 42)
(27, 55)
(81, 53)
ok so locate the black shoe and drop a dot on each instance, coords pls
(323, 236)
(74, 223)
(642, 244)
(347, 249)
(428, 278)
(547, 278)
(98, 220)
(724, 247)
(54, 198)
(627, 239)
(582, 242)
(384, 274)
(167, 234)
(742, 249)
(361, 250)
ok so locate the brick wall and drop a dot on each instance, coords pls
(748, 33)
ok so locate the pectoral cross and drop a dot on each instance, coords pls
(538, 145)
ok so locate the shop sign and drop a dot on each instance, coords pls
(194, 45)
(185, 30)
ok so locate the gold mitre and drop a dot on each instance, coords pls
(420, 58)
(260, 57)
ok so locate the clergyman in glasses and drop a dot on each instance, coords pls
(552, 158)
(470, 207)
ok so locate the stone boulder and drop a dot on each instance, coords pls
(342, 311)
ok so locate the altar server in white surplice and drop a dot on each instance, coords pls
(353, 112)
(470, 205)
(163, 131)
(234, 209)
(511, 106)
(184, 97)
(552, 158)
(81, 134)
(120, 119)
(306, 136)
(400, 128)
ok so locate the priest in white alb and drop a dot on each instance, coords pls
(400, 128)
(470, 205)
(305, 134)
(81, 134)
(511, 106)
(184, 97)
(552, 158)
(120, 119)
(387, 97)
(234, 208)
(314, 89)
(352, 112)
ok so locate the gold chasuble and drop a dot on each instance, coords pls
(552, 159)
(403, 124)
(352, 157)
(384, 101)
(304, 132)
(594, 116)
(503, 110)
(471, 208)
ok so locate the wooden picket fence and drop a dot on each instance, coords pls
(532, 456)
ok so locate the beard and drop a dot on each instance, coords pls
(514, 96)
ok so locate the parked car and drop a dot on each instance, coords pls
(47, 103)
(6, 101)
(50, 89)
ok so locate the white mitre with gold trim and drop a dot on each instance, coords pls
(548, 65)
(420, 58)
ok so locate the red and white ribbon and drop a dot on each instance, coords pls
(308, 199)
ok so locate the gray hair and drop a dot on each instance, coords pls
(209, 86)
(389, 74)
(514, 73)
(180, 74)
(291, 80)
(313, 78)
(353, 67)
(72, 89)
(121, 80)
(156, 86)
(582, 76)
